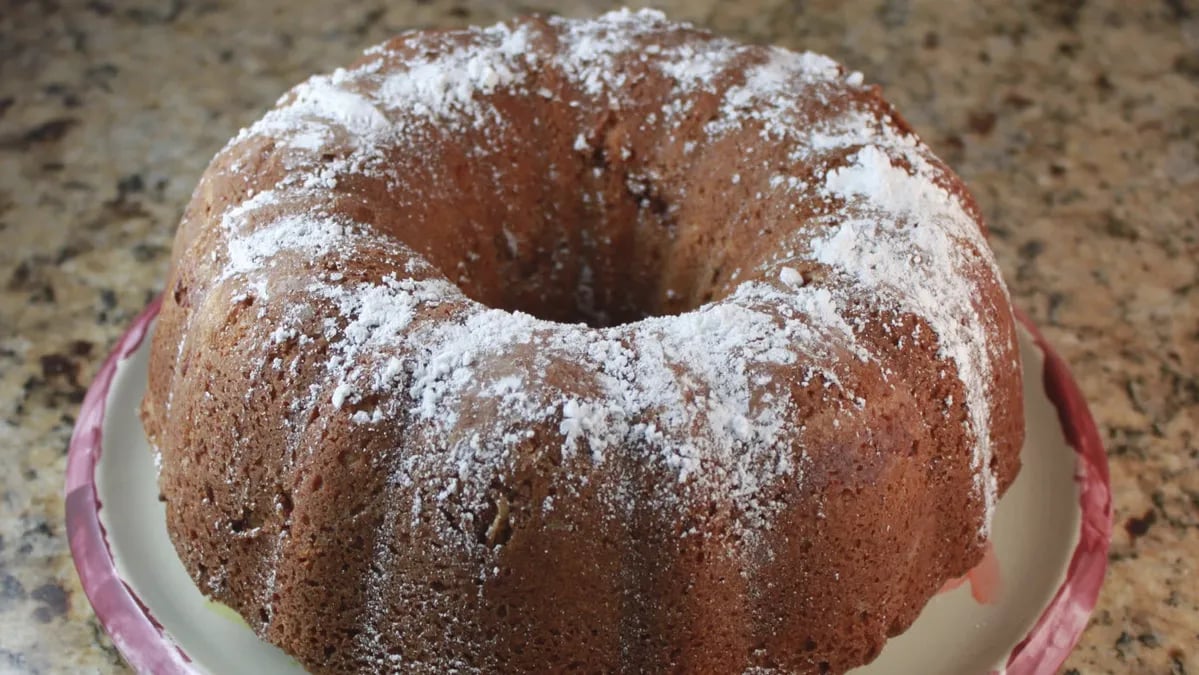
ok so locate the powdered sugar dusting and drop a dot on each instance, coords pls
(315, 105)
(453, 87)
(644, 373)
(446, 88)
(360, 105)
(768, 94)
(316, 236)
(916, 228)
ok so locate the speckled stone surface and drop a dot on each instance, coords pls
(1076, 123)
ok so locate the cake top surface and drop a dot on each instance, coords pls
(697, 392)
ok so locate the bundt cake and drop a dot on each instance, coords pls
(598, 346)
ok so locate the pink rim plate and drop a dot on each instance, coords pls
(144, 644)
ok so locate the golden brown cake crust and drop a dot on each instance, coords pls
(764, 409)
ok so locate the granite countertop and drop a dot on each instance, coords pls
(1076, 123)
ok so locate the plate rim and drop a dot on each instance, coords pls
(146, 647)
(1043, 649)
(134, 631)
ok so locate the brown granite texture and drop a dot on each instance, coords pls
(1075, 121)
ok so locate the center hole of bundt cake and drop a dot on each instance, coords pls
(603, 223)
(613, 258)
(596, 273)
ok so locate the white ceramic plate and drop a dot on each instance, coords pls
(1050, 540)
